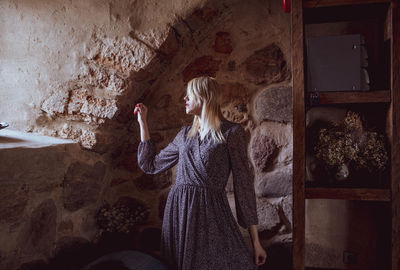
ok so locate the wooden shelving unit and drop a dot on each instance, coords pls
(386, 15)
(352, 97)
(357, 194)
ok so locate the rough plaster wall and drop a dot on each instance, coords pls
(44, 43)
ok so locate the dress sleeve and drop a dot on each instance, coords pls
(152, 163)
(245, 198)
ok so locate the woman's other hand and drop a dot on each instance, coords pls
(141, 111)
(260, 255)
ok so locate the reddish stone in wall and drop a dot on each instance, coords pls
(223, 43)
(267, 65)
(202, 66)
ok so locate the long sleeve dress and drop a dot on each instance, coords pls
(199, 231)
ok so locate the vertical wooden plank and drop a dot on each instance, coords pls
(298, 136)
(395, 173)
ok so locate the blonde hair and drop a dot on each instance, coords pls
(206, 91)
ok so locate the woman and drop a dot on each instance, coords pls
(199, 231)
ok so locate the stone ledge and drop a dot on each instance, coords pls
(18, 139)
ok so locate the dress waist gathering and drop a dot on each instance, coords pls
(200, 187)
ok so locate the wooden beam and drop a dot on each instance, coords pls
(298, 136)
(356, 194)
(395, 172)
(353, 97)
(332, 3)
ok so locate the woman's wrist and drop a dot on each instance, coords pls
(254, 235)
(256, 243)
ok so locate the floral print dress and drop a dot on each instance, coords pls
(199, 231)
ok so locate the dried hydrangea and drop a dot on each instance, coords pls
(352, 121)
(121, 217)
(347, 142)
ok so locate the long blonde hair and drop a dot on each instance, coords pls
(206, 91)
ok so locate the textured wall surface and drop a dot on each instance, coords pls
(75, 69)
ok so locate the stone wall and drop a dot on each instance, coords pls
(81, 68)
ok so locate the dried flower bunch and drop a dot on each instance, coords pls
(121, 217)
(347, 142)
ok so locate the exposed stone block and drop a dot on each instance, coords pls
(68, 131)
(266, 66)
(223, 43)
(277, 183)
(268, 216)
(264, 150)
(202, 66)
(84, 102)
(287, 207)
(125, 55)
(274, 103)
(56, 103)
(87, 139)
(113, 81)
(99, 107)
(234, 100)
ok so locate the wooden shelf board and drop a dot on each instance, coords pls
(359, 194)
(353, 97)
(332, 3)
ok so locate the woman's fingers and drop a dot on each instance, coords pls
(138, 108)
(260, 258)
(142, 110)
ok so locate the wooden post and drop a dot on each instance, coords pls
(298, 136)
(395, 172)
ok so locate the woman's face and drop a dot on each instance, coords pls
(191, 106)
